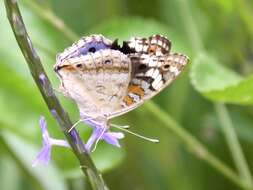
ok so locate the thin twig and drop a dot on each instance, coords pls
(192, 32)
(245, 179)
(196, 147)
(45, 87)
(233, 144)
(245, 12)
(48, 15)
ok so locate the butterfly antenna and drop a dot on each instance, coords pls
(74, 125)
(98, 139)
(123, 128)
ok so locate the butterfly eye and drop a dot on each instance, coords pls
(92, 49)
(166, 67)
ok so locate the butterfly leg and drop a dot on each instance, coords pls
(99, 130)
(88, 120)
(97, 135)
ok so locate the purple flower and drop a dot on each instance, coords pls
(45, 153)
(101, 132)
(42, 78)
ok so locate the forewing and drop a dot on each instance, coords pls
(154, 45)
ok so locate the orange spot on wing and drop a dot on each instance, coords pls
(152, 49)
(128, 100)
(136, 90)
(67, 67)
(70, 68)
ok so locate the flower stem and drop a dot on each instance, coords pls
(233, 144)
(221, 110)
(45, 87)
(50, 17)
(194, 145)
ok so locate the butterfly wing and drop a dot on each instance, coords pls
(154, 45)
(97, 82)
(151, 75)
(85, 45)
(108, 80)
(152, 71)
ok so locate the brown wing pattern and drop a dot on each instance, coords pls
(155, 45)
(152, 71)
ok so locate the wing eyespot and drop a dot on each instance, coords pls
(92, 49)
(166, 67)
(79, 65)
(108, 62)
(152, 50)
(142, 67)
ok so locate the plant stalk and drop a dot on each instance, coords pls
(42, 81)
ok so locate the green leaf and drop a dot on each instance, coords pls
(220, 84)
(240, 93)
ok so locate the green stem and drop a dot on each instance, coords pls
(192, 32)
(49, 16)
(45, 87)
(245, 12)
(221, 110)
(195, 146)
(233, 144)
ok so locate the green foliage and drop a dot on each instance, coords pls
(223, 73)
(220, 84)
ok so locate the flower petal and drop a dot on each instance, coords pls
(42, 78)
(117, 135)
(43, 124)
(59, 142)
(43, 157)
(93, 138)
(45, 153)
(112, 138)
(100, 132)
(45, 134)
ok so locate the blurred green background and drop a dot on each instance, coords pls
(218, 38)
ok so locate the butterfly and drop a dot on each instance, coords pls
(107, 80)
